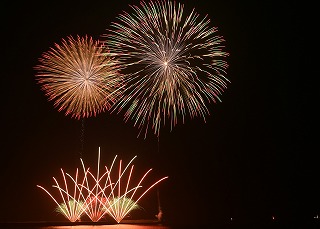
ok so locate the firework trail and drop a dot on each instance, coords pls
(173, 64)
(78, 78)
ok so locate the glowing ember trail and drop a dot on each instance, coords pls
(99, 195)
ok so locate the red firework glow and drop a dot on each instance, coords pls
(100, 194)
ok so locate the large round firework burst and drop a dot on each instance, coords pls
(174, 64)
(79, 80)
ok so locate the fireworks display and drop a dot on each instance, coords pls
(78, 78)
(158, 65)
(111, 193)
(173, 64)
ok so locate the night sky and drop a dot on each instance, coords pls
(254, 158)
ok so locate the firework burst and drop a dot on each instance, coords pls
(173, 63)
(78, 78)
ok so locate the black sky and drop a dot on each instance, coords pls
(254, 157)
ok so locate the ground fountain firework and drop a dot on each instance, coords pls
(96, 195)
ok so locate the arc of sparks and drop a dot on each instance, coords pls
(98, 195)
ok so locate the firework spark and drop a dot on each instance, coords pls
(77, 78)
(97, 195)
(174, 63)
(122, 199)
